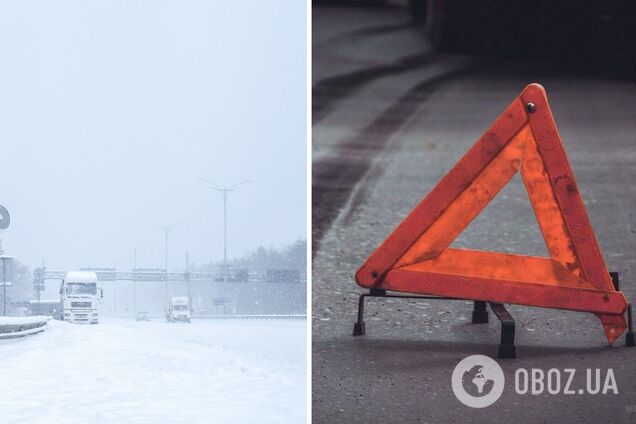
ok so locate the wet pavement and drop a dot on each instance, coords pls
(391, 117)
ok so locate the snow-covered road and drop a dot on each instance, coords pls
(122, 371)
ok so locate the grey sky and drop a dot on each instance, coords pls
(110, 110)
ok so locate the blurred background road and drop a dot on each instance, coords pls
(395, 105)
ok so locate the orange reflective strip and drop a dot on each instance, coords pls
(445, 192)
(477, 288)
(565, 189)
(469, 203)
(500, 266)
(547, 210)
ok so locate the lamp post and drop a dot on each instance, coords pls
(166, 229)
(226, 191)
(134, 267)
(6, 272)
(134, 249)
(5, 219)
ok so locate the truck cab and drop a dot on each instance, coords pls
(178, 309)
(79, 296)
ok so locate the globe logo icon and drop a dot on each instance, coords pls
(478, 381)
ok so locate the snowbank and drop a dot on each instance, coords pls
(16, 327)
(23, 320)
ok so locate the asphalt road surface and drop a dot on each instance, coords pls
(390, 119)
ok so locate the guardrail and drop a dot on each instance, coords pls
(14, 327)
(290, 317)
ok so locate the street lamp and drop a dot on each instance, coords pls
(134, 267)
(6, 261)
(226, 191)
(7, 272)
(166, 229)
(136, 247)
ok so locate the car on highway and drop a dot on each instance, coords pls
(143, 316)
(178, 309)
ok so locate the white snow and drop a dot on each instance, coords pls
(22, 320)
(80, 277)
(123, 371)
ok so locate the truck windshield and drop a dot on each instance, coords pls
(180, 307)
(81, 288)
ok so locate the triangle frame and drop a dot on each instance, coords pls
(416, 257)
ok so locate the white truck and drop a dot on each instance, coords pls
(79, 297)
(178, 309)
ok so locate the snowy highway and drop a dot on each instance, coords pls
(154, 372)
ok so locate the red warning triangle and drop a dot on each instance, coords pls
(416, 257)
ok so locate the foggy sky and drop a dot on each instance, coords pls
(109, 111)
